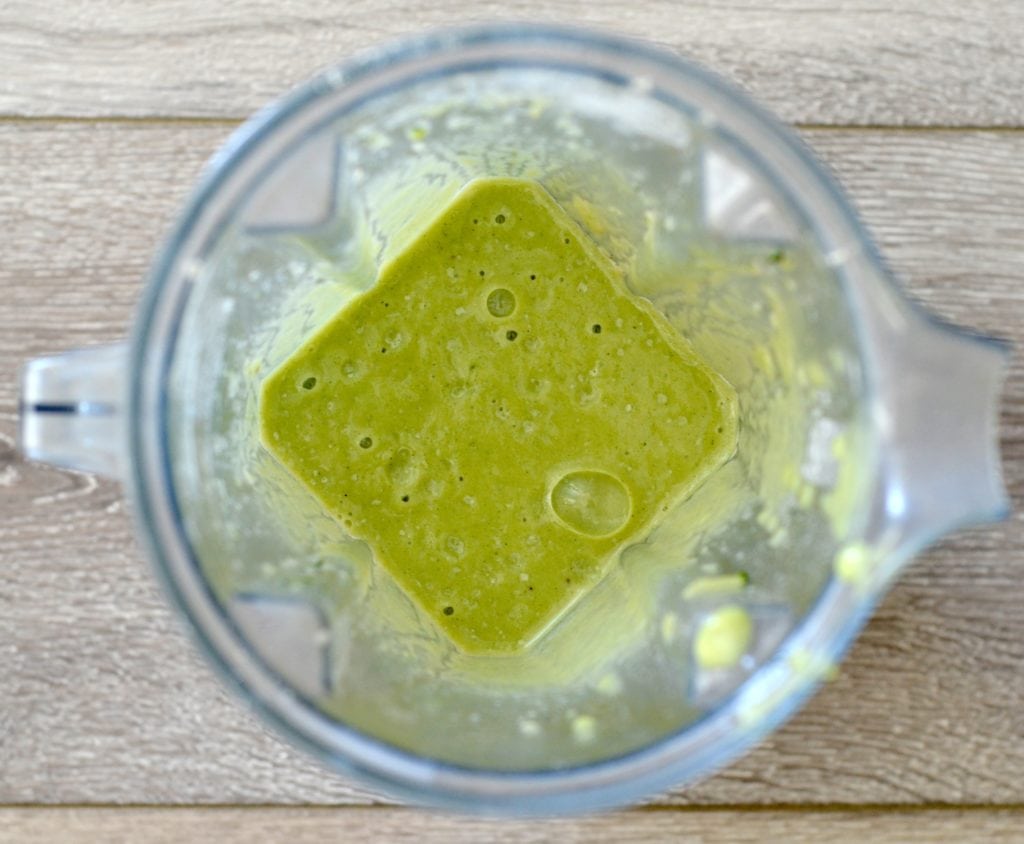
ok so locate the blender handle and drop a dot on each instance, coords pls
(937, 408)
(72, 410)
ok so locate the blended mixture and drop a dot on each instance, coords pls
(498, 416)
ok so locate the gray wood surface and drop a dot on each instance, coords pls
(355, 826)
(103, 699)
(850, 62)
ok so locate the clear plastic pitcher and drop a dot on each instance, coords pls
(867, 429)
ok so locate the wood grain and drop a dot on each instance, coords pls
(103, 700)
(917, 62)
(354, 826)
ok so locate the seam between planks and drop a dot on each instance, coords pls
(228, 121)
(696, 808)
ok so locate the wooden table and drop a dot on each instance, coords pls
(112, 729)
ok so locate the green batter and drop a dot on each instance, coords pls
(498, 416)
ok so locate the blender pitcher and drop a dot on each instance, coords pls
(867, 429)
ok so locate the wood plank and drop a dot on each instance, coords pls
(918, 62)
(302, 825)
(103, 700)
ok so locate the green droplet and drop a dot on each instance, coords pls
(723, 638)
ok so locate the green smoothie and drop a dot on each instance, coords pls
(498, 416)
